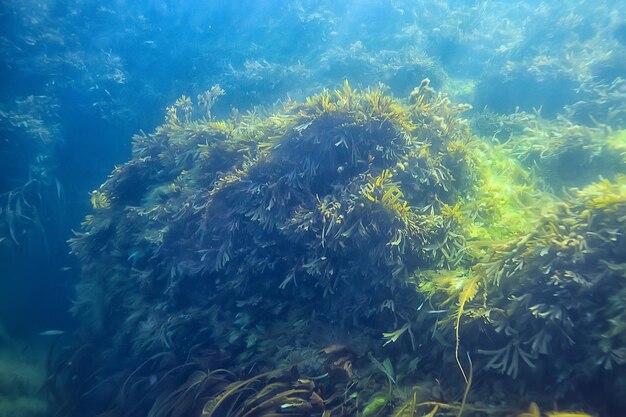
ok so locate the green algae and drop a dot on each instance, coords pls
(348, 226)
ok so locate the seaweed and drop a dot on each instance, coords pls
(268, 257)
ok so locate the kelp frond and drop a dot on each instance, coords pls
(469, 291)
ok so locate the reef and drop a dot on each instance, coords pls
(352, 254)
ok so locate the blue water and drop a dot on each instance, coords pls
(80, 78)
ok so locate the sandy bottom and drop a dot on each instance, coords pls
(22, 374)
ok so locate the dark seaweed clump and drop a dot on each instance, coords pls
(353, 254)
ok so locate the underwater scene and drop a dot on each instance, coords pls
(313, 208)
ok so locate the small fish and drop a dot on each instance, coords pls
(133, 257)
(53, 332)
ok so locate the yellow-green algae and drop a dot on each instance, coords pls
(352, 225)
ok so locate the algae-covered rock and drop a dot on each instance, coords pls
(330, 204)
(261, 264)
(252, 236)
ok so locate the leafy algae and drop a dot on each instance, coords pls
(251, 266)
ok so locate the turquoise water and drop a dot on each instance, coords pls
(227, 245)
